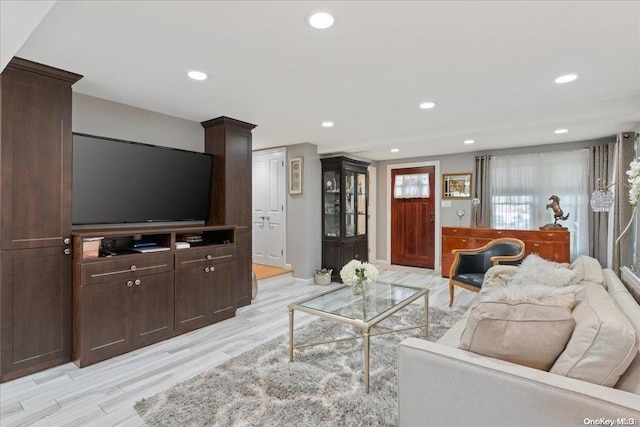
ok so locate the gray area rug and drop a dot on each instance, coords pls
(322, 387)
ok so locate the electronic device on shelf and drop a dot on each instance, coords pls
(150, 249)
(143, 243)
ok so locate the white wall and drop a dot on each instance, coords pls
(304, 227)
(100, 117)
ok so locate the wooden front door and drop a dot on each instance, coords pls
(413, 223)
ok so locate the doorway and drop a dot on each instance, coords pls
(413, 222)
(268, 213)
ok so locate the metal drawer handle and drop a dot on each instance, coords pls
(130, 283)
(130, 270)
(137, 282)
(206, 259)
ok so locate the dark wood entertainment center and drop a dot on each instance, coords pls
(60, 303)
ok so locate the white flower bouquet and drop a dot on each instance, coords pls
(356, 272)
(634, 181)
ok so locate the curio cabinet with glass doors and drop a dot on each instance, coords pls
(344, 212)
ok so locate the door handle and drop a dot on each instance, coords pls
(268, 218)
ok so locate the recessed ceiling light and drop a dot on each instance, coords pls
(561, 131)
(320, 20)
(394, 150)
(469, 141)
(327, 124)
(566, 78)
(197, 75)
(427, 105)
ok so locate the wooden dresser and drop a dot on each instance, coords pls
(553, 245)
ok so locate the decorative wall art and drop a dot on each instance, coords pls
(457, 185)
(296, 173)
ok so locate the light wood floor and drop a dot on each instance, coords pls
(104, 394)
(265, 271)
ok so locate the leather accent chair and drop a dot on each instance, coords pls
(470, 265)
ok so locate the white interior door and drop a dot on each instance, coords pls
(269, 189)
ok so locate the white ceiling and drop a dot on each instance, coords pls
(489, 66)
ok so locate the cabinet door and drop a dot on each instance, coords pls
(36, 310)
(350, 204)
(191, 296)
(223, 290)
(152, 308)
(35, 160)
(361, 204)
(331, 203)
(362, 250)
(106, 320)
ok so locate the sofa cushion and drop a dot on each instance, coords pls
(603, 343)
(529, 334)
(587, 269)
(538, 271)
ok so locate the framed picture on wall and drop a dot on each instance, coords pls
(457, 185)
(296, 166)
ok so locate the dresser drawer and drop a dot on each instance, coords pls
(197, 257)
(499, 234)
(550, 236)
(127, 267)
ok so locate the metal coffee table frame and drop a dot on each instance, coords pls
(345, 301)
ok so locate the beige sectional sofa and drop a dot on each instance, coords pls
(594, 380)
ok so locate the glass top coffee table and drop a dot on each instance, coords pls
(379, 301)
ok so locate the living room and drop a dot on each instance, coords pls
(601, 105)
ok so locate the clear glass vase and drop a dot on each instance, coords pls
(358, 286)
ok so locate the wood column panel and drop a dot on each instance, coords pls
(35, 217)
(229, 140)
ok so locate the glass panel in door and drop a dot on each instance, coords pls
(350, 203)
(362, 204)
(331, 180)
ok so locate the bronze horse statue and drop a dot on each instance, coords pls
(558, 214)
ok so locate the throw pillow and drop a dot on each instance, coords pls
(529, 334)
(538, 271)
(603, 343)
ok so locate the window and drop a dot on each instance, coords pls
(411, 186)
(521, 186)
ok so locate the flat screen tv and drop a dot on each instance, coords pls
(117, 181)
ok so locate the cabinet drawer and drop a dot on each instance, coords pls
(197, 257)
(551, 236)
(552, 251)
(455, 231)
(126, 268)
(489, 233)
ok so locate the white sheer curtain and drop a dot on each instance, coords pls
(411, 186)
(522, 184)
